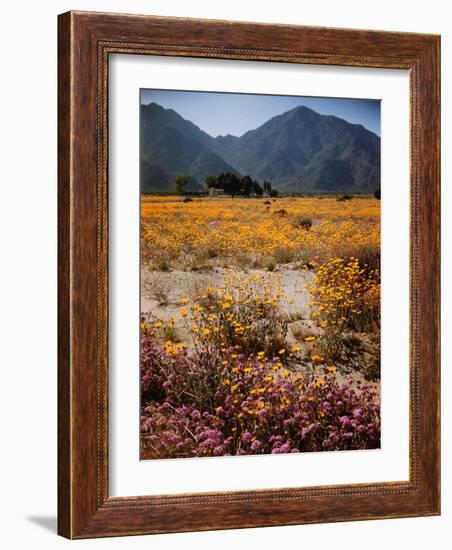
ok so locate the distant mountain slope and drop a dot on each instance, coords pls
(299, 150)
(155, 180)
(171, 145)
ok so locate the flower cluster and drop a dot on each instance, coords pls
(346, 294)
(244, 312)
(235, 368)
(250, 233)
(231, 404)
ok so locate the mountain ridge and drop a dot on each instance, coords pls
(300, 150)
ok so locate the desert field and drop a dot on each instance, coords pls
(260, 329)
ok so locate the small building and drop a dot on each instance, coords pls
(211, 192)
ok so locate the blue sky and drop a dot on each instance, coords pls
(224, 113)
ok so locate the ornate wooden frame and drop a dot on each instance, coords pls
(85, 42)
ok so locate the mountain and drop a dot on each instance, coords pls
(171, 145)
(298, 151)
(302, 150)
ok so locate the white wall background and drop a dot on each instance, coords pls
(28, 125)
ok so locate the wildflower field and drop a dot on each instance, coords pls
(260, 328)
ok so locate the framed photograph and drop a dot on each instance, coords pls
(248, 275)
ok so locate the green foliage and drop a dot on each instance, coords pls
(234, 185)
(267, 186)
(212, 181)
(180, 183)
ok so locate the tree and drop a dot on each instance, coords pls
(267, 187)
(247, 185)
(230, 183)
(377, 193)
(235, 185)
(274, 193)
(257, 189)
(180, 183)
(212, 181)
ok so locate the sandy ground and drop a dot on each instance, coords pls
(162, 291)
